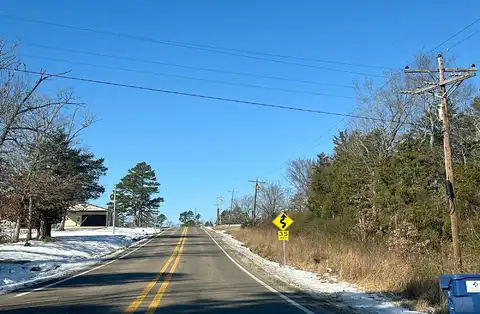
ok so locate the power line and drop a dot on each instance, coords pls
(388, 81)
(466, 38)
(180, 44)
(304, 150)
(187, 66)
(233, 100)
(428, 52)
(296, 58)
(189, 78)
(455, 35)
(190, 45)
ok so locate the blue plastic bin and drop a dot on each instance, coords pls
(462, 291)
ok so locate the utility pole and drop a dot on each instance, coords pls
(231, 208)
(114, 206)
(220, 201)
(457, 76)
(257, 187)
(156, 217)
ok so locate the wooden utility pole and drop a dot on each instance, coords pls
(456, 78)
(257, 187)
(449, 166)
(220, 201)
(231, 207)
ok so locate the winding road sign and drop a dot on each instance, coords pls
(282, 221)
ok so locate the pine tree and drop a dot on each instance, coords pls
(135, 194)
(65, 176)
(188, 218)
(161, 219)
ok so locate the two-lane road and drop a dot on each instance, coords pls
(181, 271)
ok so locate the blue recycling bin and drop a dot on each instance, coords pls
(462, 291)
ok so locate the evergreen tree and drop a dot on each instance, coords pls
(65, 176)
(187, 218)
(234, 216)
(161, 219)
(135, 194)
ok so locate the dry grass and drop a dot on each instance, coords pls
(372, 268)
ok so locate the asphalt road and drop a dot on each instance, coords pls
(180, 271)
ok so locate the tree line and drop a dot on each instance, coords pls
(384, 181)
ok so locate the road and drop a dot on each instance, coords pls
(180, 271)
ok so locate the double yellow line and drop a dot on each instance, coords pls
(158, 296)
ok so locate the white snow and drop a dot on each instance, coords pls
(314, 285)
(69, 251)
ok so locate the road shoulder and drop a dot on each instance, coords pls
(315, 303)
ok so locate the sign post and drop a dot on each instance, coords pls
(282, 222)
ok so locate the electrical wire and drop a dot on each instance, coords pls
(209, 48)
(186, 66)
(463, 40)
(226, 99)
(304, 150)
(388, 81)
(185, 45)
(455, 35)
(192, 45)
(189, 78)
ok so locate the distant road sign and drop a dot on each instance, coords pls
(282, 221)
(283, 235)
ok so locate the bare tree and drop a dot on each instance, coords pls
(19, 100)
(25, 119)
(272, 199)
(299, 172)
(8, 55)
(245, 203)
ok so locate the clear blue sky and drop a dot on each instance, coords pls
(199, 148)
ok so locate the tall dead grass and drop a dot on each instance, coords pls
(371, 267)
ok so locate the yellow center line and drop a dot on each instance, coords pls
(158, 297)
(136, 303)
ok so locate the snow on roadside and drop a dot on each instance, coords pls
(314, 285)
(69, 251)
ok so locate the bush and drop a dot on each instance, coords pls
(247, 224)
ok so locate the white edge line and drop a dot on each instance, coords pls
(89, 270)
(299, 306)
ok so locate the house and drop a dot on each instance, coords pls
(86, 215)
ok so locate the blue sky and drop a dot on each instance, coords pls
(200, 148)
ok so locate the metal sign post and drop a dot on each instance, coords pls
(283, 222)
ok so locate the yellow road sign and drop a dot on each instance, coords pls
(282, 221)
(283, 235)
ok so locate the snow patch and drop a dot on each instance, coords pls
(67, 252)
(314, 285)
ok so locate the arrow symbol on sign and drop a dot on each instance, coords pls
(284, 224)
